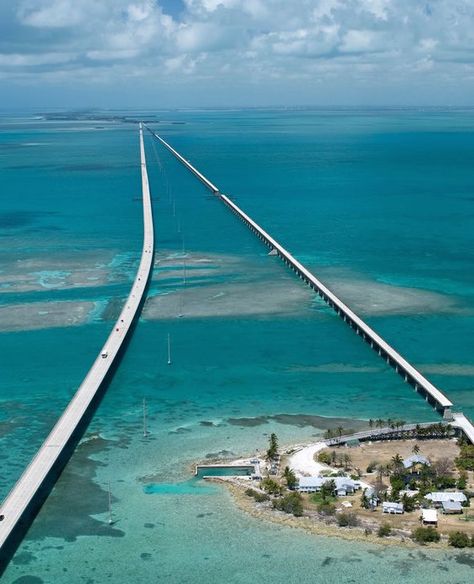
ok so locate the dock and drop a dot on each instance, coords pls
(21, 504)
(407, 371)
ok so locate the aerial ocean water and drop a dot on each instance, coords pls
(378, 203)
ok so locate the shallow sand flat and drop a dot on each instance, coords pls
(81, 269)
(195, 264)
(40, 315)
(369, 297)
(234, 299)
(458, 369)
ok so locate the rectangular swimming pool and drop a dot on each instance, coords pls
(222, 470)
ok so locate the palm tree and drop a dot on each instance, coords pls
(347, 461)
(397, 462)
(290, 477)
(340, 430)
(273, 446)
(416, 449)
(379, 423)
(327, 489)
(382, 470)
(371, 423)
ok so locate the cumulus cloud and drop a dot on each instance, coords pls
(247, 41)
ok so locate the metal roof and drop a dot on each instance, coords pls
(446, 496)
(415, 459)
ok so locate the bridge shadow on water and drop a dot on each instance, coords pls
(23, 525)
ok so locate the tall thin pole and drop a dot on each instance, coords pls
(145, 431)
(169, 349)
(110, 507)
(181, 303)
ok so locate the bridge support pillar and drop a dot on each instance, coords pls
(447, 414)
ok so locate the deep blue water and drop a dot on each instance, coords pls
(380, 204)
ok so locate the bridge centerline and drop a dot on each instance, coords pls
(17, 507)
(384, 349)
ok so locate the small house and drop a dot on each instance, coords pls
(409, 493)
(429, 517)
(343, 485)
(439, 498)
(393, 508)
(452, 507)
(415, 462)
(344, 488)
(371, 497)
(310, 484)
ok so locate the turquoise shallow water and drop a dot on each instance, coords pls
(377, 200)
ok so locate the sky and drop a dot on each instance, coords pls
(219, 53)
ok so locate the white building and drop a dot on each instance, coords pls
(439, 498)
(343, 485)
(452, 507)
(394, 508)
(429, 517)
(414, 460)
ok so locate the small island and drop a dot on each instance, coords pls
(395, 483)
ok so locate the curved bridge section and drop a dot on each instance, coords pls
(410, 374)
(18, 508)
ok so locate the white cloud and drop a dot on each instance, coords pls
(14, 60)
(55, 13)
(248, 41)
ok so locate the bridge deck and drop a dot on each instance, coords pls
(21, 496)
(402, 366)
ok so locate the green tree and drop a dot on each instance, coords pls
(425, 534)
(459, 539)
(347, 520)
(340, 430)
(324, 457)
(290, 478)
(365, 501)
(326, 508)
(384, 530)
(397, 485)
(408, 503)
(371, 423)
(271, 486)
(290, 503)
(347, 460)
(273, 446)
(462, 480)
(327, 489)
(465, 460)
(397, 462)
(257, 495)
(415, 449)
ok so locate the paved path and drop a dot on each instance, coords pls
(386, 351)
(20, 499)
